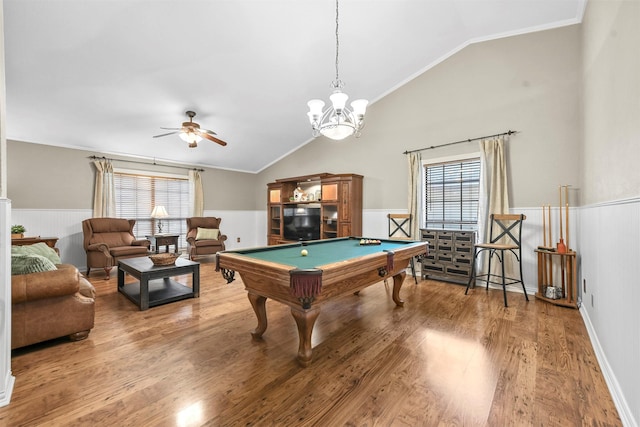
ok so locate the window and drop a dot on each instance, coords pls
(451, 194)
(137, 193)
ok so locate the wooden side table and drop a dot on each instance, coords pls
(164, 240)
(50, 241)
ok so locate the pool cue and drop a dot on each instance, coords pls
(544, 245)
(567, 225)
(562, 257)
(566, 200)
(560, 213)
(551, 243)
(550, 239)
(544, 227)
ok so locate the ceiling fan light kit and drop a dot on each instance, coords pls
(338, 121)
(191, 132)
(190, 137)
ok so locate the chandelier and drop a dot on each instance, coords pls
(338, 121)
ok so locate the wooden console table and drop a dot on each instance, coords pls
(558, 270)
(50, 241)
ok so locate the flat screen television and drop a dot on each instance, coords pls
(302, 222)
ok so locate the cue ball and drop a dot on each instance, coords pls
(304, 252)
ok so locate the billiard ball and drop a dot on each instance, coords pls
(304, 252)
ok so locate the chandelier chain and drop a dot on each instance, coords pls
(337, 83)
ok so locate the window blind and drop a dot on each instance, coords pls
(451, 195)
(137, 195)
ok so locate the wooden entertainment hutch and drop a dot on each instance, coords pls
(338, 195)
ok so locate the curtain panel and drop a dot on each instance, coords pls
(104, 201)
(415, 180)
(196, 194)
(494, 190)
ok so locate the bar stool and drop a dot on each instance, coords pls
(400, 229)
(505, 236)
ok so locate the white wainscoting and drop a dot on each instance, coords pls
(66, 224)
(251, 228)
(610, 267)
(7, 380)
(375, 225)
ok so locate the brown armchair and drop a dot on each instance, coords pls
(51, 304)
(204, 236)
(107, 240)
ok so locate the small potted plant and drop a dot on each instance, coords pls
(17, 231)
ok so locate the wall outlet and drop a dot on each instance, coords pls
(238, 240)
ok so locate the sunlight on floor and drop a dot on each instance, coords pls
(190, 416)
(459, 369)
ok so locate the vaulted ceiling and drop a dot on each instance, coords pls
(106, 75)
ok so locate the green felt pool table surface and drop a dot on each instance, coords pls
(320, 252)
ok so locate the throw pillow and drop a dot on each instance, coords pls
(37, 249)
(27, 264)
(207, 233)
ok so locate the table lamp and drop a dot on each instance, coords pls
(159, 212)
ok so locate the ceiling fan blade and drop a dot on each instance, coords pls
(210, 132)
(166, 134)
(171, 128)
(212, 138)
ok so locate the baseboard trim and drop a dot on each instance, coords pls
(624, 411)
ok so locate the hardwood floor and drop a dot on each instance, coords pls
(442, 359)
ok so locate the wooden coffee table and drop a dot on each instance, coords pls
(155, 286)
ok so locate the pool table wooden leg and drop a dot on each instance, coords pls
(305, 321)
(398, 280)
(258, 304)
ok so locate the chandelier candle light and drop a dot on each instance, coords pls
(338, 121)
(159, 212)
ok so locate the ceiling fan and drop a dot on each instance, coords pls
(192, 133)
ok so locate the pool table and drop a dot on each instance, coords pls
(331, 268)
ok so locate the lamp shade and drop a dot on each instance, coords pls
(159, 212)
(315, 110)
(338, 99)
(359, 107)
(316, 106)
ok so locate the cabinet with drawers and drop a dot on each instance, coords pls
(450, 254)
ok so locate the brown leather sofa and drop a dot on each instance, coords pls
(51, 304)
(197, 246)
(106, 240)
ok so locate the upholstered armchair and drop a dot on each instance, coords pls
(107, 240)
(204, 236)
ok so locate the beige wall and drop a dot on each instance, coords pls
(611, 101)
(610, 187)
(46, 177)
(529, 83)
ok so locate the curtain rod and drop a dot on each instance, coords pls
(145, 163)
(509, 132)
